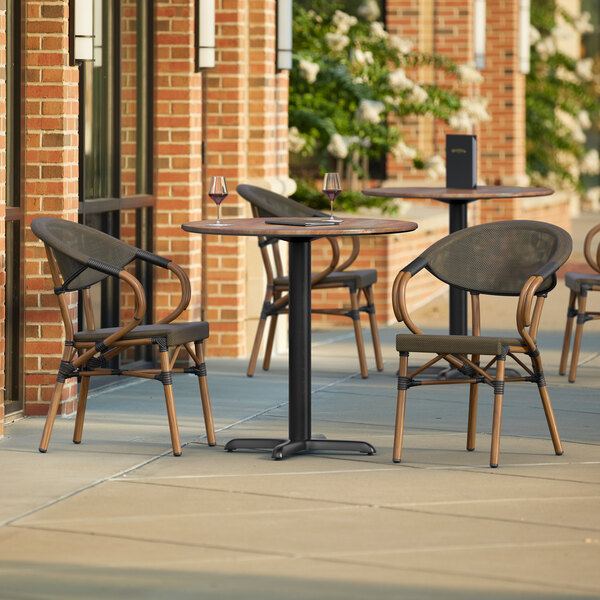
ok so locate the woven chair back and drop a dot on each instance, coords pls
(270, 204)
(74, 244)
(498, 258)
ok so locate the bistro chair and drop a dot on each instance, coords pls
(269, 204)
(506, 258)
(80, 257)
(580, 284)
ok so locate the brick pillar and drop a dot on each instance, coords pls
(502, 140)
(434, 26)
(51, 188)
(2, 206)
(178, 151)
(227, 154)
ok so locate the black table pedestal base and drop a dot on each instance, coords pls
(284, 448)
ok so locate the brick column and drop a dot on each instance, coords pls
(51, 157)
(177, 151)
(434, 26)
(2, 206)
(502, 140)
(227, 143)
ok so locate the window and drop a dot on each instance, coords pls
(14, 324)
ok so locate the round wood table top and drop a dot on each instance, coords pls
(349, 226)
(481, 192)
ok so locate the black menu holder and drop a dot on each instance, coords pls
(461, 161)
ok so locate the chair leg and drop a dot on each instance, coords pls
(269, 297)
(269, 347)
(81, 405)
(400, 407)
(545, 397)
(58, 388)
(362, 359)
(256, 346)
(497, 421)
(368, 292)
(472, 418)
(206, 408)
(578, 335)
(167, 380)
(571, 313)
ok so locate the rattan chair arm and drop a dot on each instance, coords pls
(587, 249)
(524, 309)
(353, 255)
(186, 292)
(140, 309)
(335, 257)
(399, 301)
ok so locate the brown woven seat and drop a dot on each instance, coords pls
(574, 281)
(175, 334)
(580, 285)
(81, 257)
(455, 344)
(358, 282)
(506, 258)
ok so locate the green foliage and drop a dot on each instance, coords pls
(561, 101)
(348, 90)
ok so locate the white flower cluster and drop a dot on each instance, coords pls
(571, 124)
(467, 73)
(418, 95)
(361, 57)
(295, 141)
(584, 119)
(369, 10)
(592, 198)
(534, 36)
(590, 163)
(336, 41)
(402, 151)
(399, 82)
(378, 31)
(471, 111)
(435, 168)
(583, 68)
(343, 21)
(582, 23)
(546, 47)
(337, 147)
(369, 111)
(403, 45)
(565, 75)
(308, 70)
(314, 16)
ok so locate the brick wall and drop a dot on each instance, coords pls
(51, 172)
(177, 151)
(2, 204)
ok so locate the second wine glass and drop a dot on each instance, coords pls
(332, 189)
(217, 191)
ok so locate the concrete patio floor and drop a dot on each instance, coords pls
(118, 516)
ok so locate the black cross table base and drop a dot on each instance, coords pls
(284, 448)
(300, 439)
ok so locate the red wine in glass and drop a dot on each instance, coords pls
(217, 192)
(332, 189)
(217, 198)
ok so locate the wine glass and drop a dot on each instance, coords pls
(217, 191)
(332, 189)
